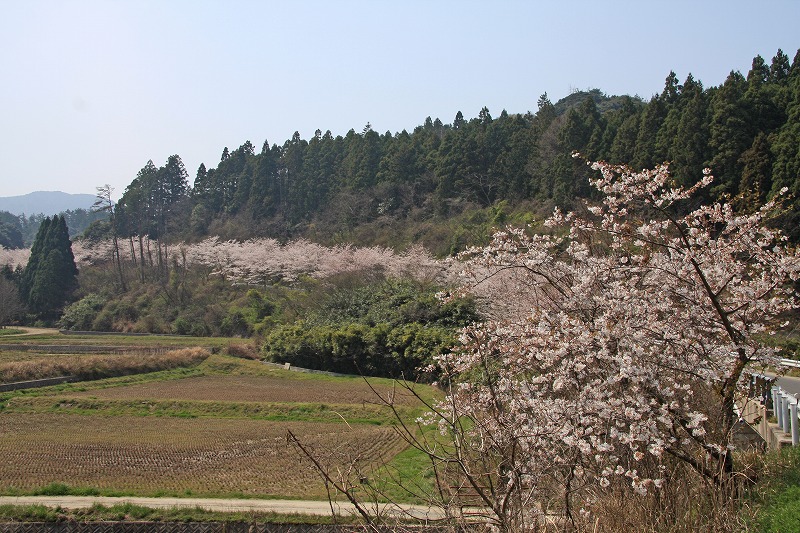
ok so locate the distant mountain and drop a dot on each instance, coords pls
(45, 202)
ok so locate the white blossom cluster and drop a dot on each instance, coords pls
(631, 328)
(14, 257)
(257, 261)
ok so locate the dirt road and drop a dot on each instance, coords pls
(316, 508)
(31, 331)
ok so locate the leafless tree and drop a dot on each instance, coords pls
(10, 302)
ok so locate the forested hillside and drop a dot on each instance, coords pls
(18, 231)
(433, 184)
(243, 251)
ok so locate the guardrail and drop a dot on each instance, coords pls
(784, 405)
(775, 401)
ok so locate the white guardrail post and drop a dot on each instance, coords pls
(776, 406)
(785, 415)
(784, 405)
(793, 417)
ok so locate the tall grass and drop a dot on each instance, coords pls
(86, 367)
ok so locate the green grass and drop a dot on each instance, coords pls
(782, 512)
(62, 489)
(777, 495)
(127, 511)
(30, 513)
(10, 331)
(409, 477)
(272, 411)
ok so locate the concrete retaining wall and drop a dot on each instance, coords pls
(757, 415)
(36, 383)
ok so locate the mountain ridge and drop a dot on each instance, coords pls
(45, 202)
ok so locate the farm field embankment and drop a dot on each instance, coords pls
(216, 428)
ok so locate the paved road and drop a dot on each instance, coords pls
(789, 384)
(316, 508)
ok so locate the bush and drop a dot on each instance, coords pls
(181, 326)
(81, 315)
(353, 348)
(235, 324)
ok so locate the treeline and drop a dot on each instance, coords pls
(746, 130)
(20, 231)
(47, 282)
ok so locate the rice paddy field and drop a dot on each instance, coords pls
(214, 426)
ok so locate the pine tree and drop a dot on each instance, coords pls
(730, 133)
(51, 275)
(35, 259)
(755, 181)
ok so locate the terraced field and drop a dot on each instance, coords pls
(218, 428)
(152, 455)
(278, 387)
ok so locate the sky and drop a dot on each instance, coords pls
(92, 90)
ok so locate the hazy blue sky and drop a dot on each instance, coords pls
(91, 90)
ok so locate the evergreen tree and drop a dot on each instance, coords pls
(689, 148)
(754, 185)
(459, 121)
(645, 154)
(779, 69)
(51, 275)
(38, 251)
(730, 133)
(619, 138)
(10, 231)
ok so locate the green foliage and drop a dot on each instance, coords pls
(10, 231)
(50, 276)
(382, 328)
(235, 325)
(777, 496)
(81, 315)
(62, 489)
(31, 513)
(398, 189)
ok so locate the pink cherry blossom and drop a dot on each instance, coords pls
(617, 343)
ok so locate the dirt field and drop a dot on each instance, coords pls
(144, 455)
(218, 429)
(240, 388)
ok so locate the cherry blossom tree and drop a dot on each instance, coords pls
(259, 261)
(616, 348)
(14, 257)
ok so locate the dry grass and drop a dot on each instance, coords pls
(98, 366)
(245, 351)
(685, 504)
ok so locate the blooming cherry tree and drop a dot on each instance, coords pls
(618, 347)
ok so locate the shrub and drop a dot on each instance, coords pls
(81, 315)
(244, 351)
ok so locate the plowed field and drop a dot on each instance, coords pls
(217, 429)
(238, 388)
(146, 455)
